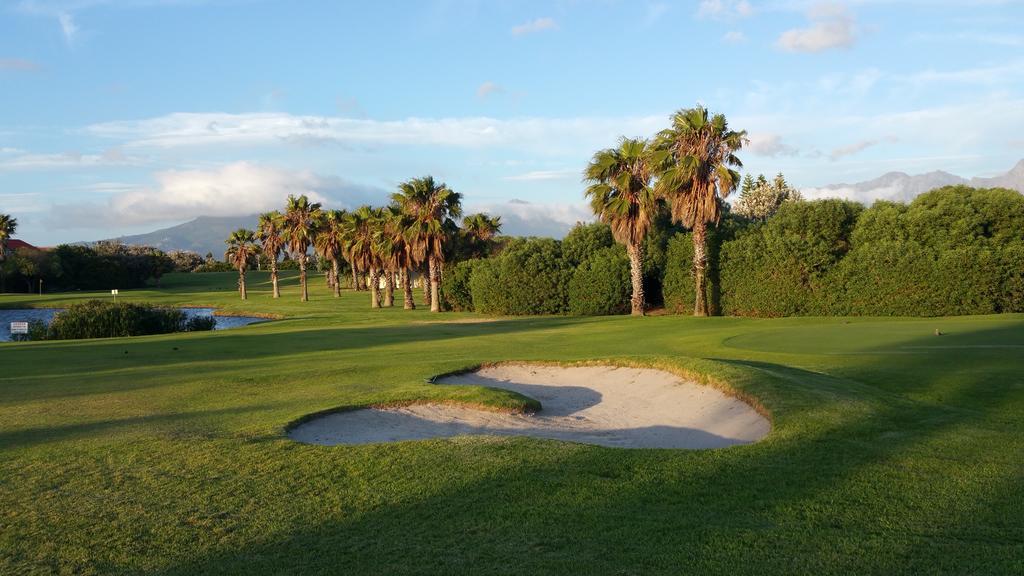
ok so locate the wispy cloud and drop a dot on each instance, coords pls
(724, 9)
(831, 26)
(537, 135)
(545, 175)
(734, 37)
(522, 218)
(534, 26)
(770, 145)
(111, 157)
(488, 89)
(18, 64)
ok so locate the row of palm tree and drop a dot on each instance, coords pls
(388, 243)
(689, 166)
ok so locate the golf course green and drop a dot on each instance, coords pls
(893, 450)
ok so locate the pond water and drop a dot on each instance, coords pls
(47, 314)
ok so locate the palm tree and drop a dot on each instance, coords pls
(268, 232)
(8, 226)
(329, 244)
(695, 160)
(359, 247)
(395, 254)
(479, 231)
(242, 248)
(431, 207)
(621, 195)
(301, 221)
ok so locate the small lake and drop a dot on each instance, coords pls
(47, 314)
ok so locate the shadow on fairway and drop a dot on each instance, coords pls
(866, 489)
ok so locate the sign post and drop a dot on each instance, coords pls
(114, 294)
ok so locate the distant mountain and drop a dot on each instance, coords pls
(905, 187)
(202, 235)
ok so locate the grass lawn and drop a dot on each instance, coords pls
(893, 450)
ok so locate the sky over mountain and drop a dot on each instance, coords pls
(122, 116)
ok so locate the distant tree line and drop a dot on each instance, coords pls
(100, 266)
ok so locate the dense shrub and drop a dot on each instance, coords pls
(586, 239)
(601, 284)
(103, 319)
(200, 324)
(455, 287)
(529, 277)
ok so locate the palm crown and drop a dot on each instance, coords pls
(620, 192)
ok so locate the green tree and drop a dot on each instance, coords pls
(329, 244)
(431, 207)
(620, 194)
(241, 250)
(695, 160)
(269, 233)
(300, 226)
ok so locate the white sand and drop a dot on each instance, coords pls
(607, 406)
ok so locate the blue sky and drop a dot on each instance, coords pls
(120, 116)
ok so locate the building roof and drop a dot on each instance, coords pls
(14, 244)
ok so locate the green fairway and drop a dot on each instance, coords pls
(893, 450)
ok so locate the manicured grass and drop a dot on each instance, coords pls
(893, 451)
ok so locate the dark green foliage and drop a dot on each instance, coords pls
(455, 286)
(586, 239)
(103, 319)
(104, 266)
(531, 276)
(951, 251)
(601, 284)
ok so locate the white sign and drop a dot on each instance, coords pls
(19, 327)
(114, 292)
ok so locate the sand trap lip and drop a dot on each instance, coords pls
(603, 405)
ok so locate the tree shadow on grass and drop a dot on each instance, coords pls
(862, 491)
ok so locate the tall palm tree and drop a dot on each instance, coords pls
(431, 207)
(695, 160)
(268, 232)
(242, 248)
(8, 226)
(479, 231)
(620, 194)
(395, 254)
(301, 222)
(329, 244)
(359, 239)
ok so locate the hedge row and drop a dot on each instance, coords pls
(103, 319)
(954, 250)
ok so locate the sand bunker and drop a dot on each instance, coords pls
(603, 405)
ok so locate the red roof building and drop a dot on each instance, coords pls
(13, 245)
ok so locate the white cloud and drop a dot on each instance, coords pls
(771, 145)
(111, 157)
(734, 37)
(522, 218)
(67, 26)
(655, 10)
(1000, 73)
(533, 26)
(537, 135)
(537, 175)
(235, 189)
(489, 88)
(832, 26)
(21, 203)
(851, 149)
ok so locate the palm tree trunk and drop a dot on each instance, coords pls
(424, 279)
(700, 265)
(241, 282)
(335, 279)
(435, 285)
(355, 279)
(636, 273)
(389, 288)
(302, 277)
(273, 278)
(374, 288)
(407, 287)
